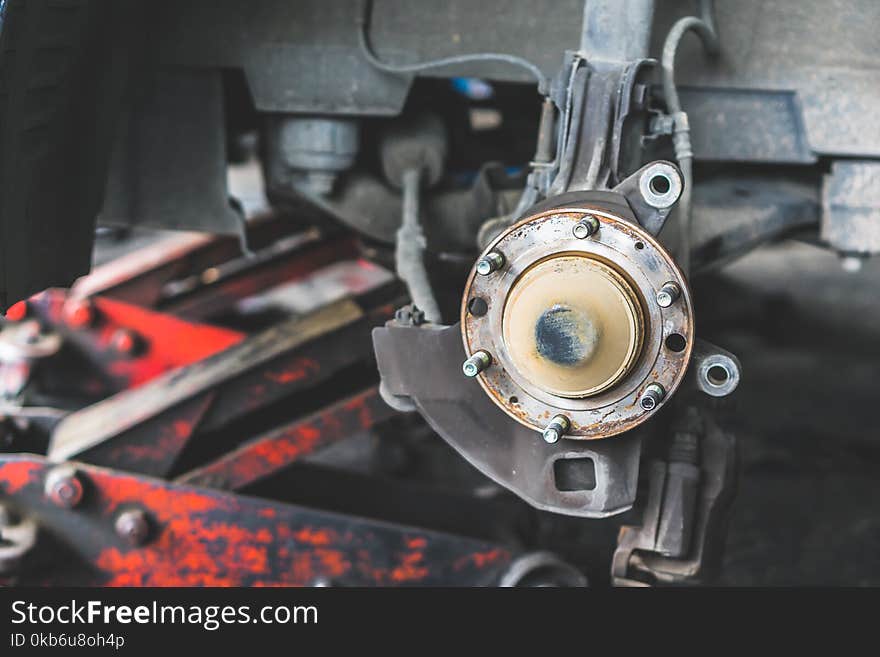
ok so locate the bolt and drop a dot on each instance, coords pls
(492, 261)
(668, 294)
(132, 526)
(654, 394)
(125, 341)
(558, 427)
(79, 313)
(585, 227)
(210, 275)
(477, 363)
(410, 314)
(64, 487)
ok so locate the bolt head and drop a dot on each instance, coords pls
(79, 313)
(132, 526)
(470, 368)
(410, 314)
(484, 267)
(125, 341)
(64, 488)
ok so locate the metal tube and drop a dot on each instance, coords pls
(704, 27)
(616, 30)
(410, 249)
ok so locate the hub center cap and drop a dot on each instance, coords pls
(572, 325)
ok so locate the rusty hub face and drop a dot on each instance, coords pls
(573, 324)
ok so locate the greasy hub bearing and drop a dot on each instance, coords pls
(572, 323)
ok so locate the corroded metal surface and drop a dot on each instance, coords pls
(200, 537)
(270, 453)
(272, 357)
(503, 449)
(639, 267)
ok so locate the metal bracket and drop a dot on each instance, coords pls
(651, 192)
(130, 530)
(713, 370)
(423, 364)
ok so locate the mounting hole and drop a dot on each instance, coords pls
(514, 400)
(717, 375)
(676, 342)
(574, 474)
(640, 246)
(660, 184)
(478, 307)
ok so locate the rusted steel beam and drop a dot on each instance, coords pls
(270, 453)
(134, 531)
(287, 358)
(129, 345)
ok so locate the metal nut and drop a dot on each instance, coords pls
(132, 526)
(126, 342)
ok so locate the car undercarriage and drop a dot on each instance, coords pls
(380, 293)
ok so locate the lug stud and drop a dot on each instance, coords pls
(652, 397)
(668, 294)
(492, 261)
(587, 226)
(478, 362)
(558, 427)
